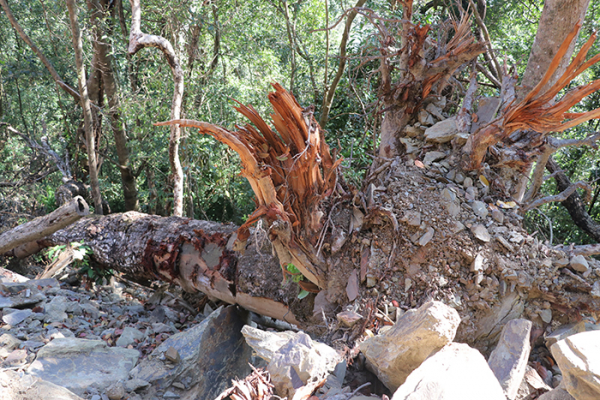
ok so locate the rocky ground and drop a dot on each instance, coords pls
(126, 341)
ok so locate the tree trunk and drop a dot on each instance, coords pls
(197, 255)
(557, 21)
(85, 104)
(103, 52)
(137, 41)
(43, 226)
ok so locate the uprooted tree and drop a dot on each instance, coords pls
(418, 228)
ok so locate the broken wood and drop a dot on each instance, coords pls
(43, 226)
(537, 112)
(291, 172)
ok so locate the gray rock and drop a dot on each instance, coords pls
(416, 335)
(560, 393)
(55, 310)
(349, 318)
(16, 317)
(170, 395)
(129, 336)
(432, 156)
(293, 358)
(14, 385)
(498, 215)
(456, 372)
(480, 209)
(8, 343)
(595, 289)
(212, 353)
(508, 361)
(531, 384)
(425, 118)
(135, 384)
(442, 132)
(481, 233)
(578, 357)
(19, 294)
(580, 264)
(79, 363)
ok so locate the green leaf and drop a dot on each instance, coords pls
(303, 293)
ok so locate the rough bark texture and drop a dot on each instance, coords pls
(44, 226)
(85, 104)
(103, 53)
(197, 255)
(137, 41)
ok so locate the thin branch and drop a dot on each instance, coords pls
(39, 53)
(562, 196)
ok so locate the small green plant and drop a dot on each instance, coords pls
(296, 276)
(81, 261)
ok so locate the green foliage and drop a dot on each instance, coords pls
(296, 276)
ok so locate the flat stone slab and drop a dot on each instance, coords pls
(77, 364)
(14, 385)
(17, 294)
(508, 361)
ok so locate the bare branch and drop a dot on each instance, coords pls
(562, 196)
(137, 41)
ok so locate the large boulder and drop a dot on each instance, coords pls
(294, 359)
(417, 335)
(457, 372)
(78, 364)
(508, 361)
(578, 357)
(202, 360)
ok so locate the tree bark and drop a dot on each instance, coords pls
(197, 255)
(419, 78)
(137, 41)
(43, 226)
(85, 104)
(105, 64)
(557, 21)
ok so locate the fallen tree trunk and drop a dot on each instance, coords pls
(44, 226)
(196, 255)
